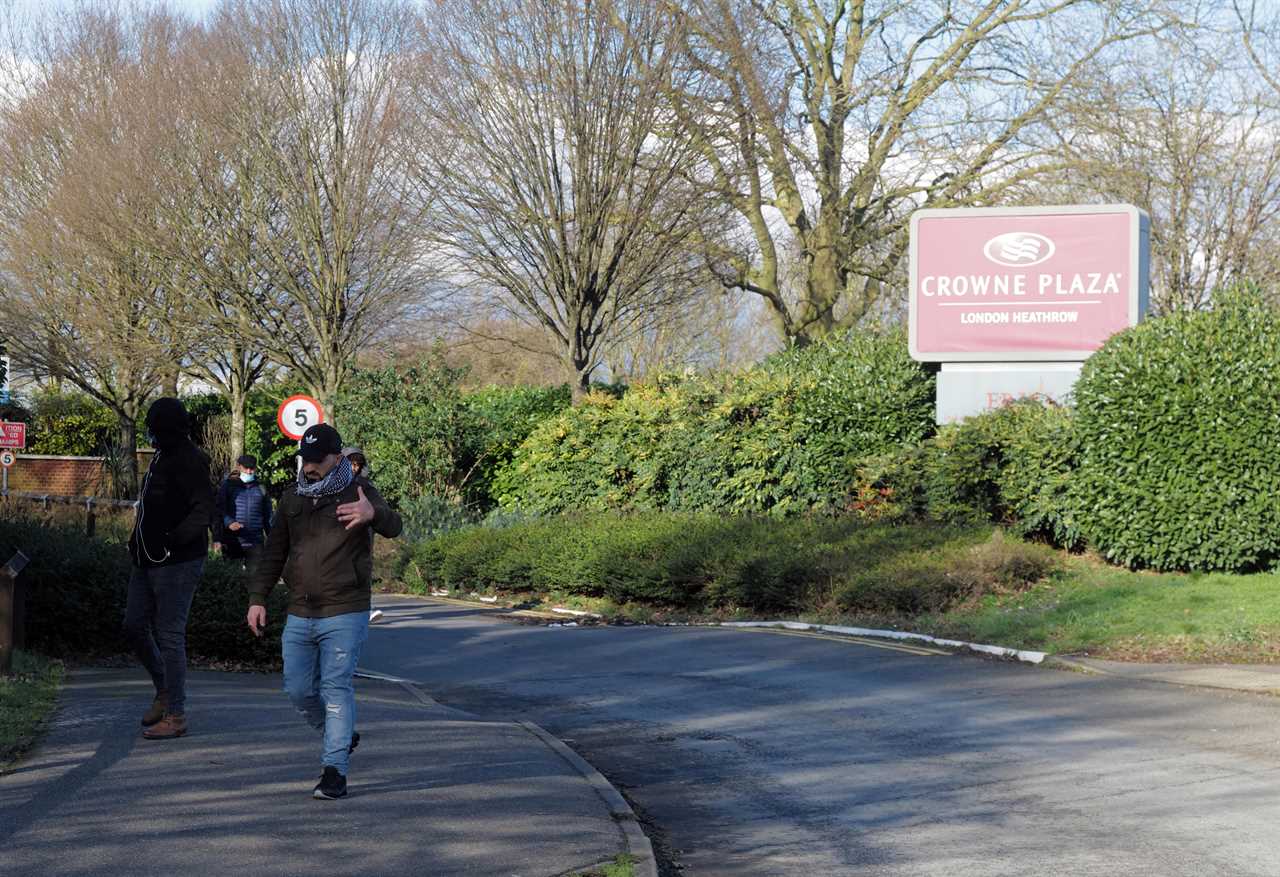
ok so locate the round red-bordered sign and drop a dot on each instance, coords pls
(297, 414)
(8, 458)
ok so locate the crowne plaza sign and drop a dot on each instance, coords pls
(1024, 284)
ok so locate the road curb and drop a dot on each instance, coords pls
(638, 845)
(1028, 657)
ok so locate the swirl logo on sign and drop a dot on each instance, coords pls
(1018, 249)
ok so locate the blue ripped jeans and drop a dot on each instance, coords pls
(320, 657)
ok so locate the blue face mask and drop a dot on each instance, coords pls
(247, 477)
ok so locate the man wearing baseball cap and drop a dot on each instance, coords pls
(320, 542)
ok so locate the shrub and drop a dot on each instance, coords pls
(504, 418)
(77, 587)
(414, 427)
(428, 515)
(1179, 451)
(716, 562)
(604, 453)
(917, 582)
(71, 425)
(1010, 466)
(778, 439)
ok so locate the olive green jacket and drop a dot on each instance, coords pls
(327, 568)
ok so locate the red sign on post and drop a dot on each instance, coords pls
(1024, 284)
(297, 414)
(13, 435)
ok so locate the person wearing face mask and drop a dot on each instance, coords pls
(168, 545)
(320, 543)
(246, 512)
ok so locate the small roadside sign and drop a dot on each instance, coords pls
(297, 414)
(13, 435)
(8, 458)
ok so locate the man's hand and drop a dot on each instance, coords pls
(235, 526)
(257, 619)
(356, 514)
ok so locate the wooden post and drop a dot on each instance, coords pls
(12, 611)
(90, 518)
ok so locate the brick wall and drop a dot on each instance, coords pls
(63, 476)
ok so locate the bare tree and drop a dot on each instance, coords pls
(216, 196)
(713, 332)
(88, 302)
(1260, 35)
(827, 122)
(314, 97)
(550, 183)
(1195, 142)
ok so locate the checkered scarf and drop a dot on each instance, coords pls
(338, 479)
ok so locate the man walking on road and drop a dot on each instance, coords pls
(168, 545)
(320, 542)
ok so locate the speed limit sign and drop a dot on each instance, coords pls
(7, 458)
(297, 414)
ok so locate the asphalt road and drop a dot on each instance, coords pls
(763, 754)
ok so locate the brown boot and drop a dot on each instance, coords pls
(156, 713)
(167, 728)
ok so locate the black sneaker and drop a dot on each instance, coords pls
(332, 786)
(355, 741)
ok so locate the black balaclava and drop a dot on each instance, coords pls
(168, 423)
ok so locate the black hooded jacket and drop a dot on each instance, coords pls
(176, 501)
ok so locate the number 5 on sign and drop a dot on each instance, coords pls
(297, 414)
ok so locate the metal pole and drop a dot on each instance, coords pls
(12, 611)
(90, 519)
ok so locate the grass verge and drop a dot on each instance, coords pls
(26, 701)
(971, 584)
(1090, 608)
(619, 867)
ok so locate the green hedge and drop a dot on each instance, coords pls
(77, 588)
(698, 562)
(1178, 429)
(429, 442)
(71, 424)
(778, 439)
(1012, 466)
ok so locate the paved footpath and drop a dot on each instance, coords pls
(433, 790)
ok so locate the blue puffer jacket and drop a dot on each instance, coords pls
(251, 506)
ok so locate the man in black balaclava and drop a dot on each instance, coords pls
(169, 545)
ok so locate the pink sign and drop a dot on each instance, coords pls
(1000, 284)
(13, 435)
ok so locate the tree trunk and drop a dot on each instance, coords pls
(169, 384)
(239, 401)
(327, 394)
(579, 376)
(126, 476)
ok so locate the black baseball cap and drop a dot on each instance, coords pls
(319, 442)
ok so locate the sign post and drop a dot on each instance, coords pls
(296, 415)
(1012, 301)
(13, 437)
(12, 611)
